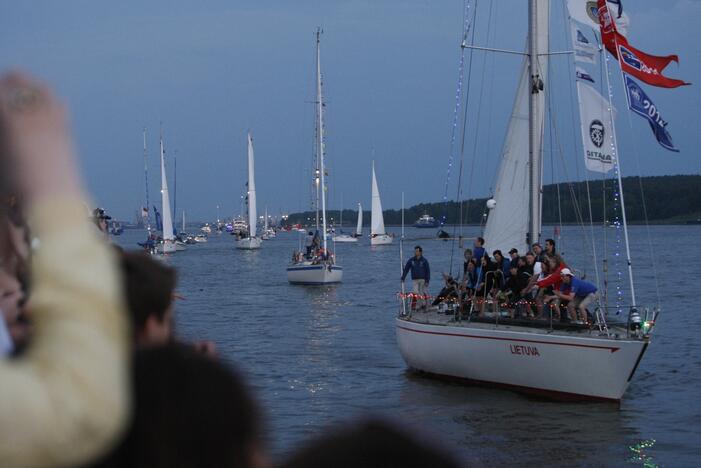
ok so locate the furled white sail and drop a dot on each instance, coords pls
(167, 216)
(252, 215)
(359, 227)
(377, 221)
(508, 221)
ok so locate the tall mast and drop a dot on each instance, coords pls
(148, 206)
(320, 133)
(537, 47)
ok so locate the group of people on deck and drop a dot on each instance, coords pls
(537, 285)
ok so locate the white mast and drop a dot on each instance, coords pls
(265, 225)
(148, 208)
(359, 227)
(252, 215)
(165, 199)
(320, 132)
(538, 44)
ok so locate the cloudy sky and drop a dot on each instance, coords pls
(210, 73)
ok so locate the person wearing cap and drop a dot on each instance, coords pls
(100, 219)
(420, 277)
(513, 254)
(581, 294)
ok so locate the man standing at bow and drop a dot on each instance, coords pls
(420, 277)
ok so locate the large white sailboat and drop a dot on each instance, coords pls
(250, 241)
(318, 267)
(378, 235)
(562, 361)
(169, 242)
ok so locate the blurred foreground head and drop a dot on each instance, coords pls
(373, 444)
(190, 411)
(149, 286)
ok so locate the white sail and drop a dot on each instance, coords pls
(252, 215)
(167, 217)
(265, 225)
(508, 221)
(377, 221)
(359, 227)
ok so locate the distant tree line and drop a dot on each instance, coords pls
(667, 198)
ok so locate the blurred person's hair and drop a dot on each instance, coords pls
(370, 444)
(148, 285)
(189, 410)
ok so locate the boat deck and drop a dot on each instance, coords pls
(432, 316)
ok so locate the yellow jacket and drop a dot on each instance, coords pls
(65, 401)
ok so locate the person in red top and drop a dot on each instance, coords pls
(548, 284)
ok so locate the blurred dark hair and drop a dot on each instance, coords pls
(189, 410)
(370, 444)
(148, 285)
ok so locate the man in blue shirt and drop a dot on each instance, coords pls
(581, 294)
(479, 251)
(420, 276)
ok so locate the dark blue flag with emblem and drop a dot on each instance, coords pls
(159, 222)
(642, 105)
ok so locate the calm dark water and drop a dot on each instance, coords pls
(317, 356)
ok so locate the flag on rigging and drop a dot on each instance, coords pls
(645, 67)
(587, 13)
(583, 75)
(639, 103)
(159, 221)
(585, 49)
(597, 129)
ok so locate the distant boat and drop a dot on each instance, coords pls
(319, 267)
(378, 234)
(116, 228)
(169, 242)
(250, 242)
(347, 238)
(426, 221)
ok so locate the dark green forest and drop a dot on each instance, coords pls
(668, 199)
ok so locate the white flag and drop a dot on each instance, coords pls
(597, 129)
(586, 12)
(585, 45)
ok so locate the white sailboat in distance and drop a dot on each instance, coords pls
(342, 237)
(168, 245)
(378, 235)
(318, 267)
(250, 241)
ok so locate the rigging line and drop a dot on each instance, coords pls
(642, 196)
(456, 110)
(479, 110)
(464, 124)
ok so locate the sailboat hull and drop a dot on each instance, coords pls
(345, 238)
(248, 243)
(381, 239)
(560, 366)
(314, 274)
(167, 247)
